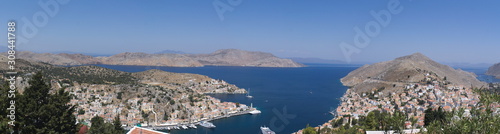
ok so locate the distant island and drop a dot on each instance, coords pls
(316, 61)
(224, 57)
(411, 92)
(494, 71)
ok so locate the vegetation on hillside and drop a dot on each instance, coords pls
(100, 127)
(35, 110)
(82, 74)
(90, 74)
(40, 112)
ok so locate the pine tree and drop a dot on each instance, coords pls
(31, 114)
(41, 112)
(58, 106)
(97, 125)
(118, 125)
(100, 127)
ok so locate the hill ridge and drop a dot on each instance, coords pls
(406, 69)
(222, 57)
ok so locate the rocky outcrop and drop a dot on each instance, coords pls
(415, 68)
(225, 57)
(494, 71)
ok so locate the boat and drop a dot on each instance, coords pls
(266, 130)
(333, 112)
(207, 124)
(192, 126)
(184, 127)
(255, 111)
(248, 94)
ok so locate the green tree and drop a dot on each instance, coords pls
(98, 126)
(119, 96)
(309, 130)
(60, 112)
(325, 130)
(81, 112)
(41, 112)
(434, 115)
(371, 121)
(397, 121)
(118, 125)
(4, 91)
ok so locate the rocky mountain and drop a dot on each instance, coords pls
(235, 57)
(225, 57)
(415, 68)
(494, 71)
(55, 59)
(144, 59)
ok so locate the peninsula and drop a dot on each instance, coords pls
(151, 98)
(494, 71)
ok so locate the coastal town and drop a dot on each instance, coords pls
(154, 105)
(412, 99)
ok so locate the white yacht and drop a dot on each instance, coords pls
(207, 124)
(254, 111)
(266, 130)
(192, 126)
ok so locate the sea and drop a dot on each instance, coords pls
(480, 72)
(289, 98)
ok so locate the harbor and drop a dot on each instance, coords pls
(204, 123)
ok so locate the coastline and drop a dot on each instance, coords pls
(163, 127)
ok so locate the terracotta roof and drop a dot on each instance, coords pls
(140, 130)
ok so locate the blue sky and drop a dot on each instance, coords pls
(447, 31)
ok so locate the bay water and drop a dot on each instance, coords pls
(289, 98)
